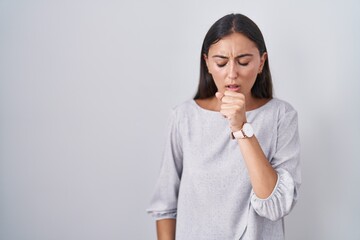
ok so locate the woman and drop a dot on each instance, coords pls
(214, 187)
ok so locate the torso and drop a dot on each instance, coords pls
(215, 186)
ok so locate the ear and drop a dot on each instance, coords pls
(262, 61)
(207, 62)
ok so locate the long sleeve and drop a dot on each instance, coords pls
(164, 201)
(286, 162)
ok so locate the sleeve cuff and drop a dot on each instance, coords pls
(158, 215)
(280, 201)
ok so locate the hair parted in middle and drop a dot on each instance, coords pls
(234, 23)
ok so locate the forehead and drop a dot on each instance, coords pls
(233, 44)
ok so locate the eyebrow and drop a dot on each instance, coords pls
(239, 56)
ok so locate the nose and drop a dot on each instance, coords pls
(232, 70)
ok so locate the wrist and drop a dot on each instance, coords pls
(246, 131)
(237, 127)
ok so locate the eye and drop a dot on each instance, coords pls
(243, 64)
(221, 64)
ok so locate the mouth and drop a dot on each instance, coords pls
(233, 87)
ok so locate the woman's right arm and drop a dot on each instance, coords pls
(163, 206)
(166, 229)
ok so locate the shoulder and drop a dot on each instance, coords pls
(284, 111)
(184, 108)
(274, 110)
(282, 106)
(182, 113)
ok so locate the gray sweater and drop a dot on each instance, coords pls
(204, 182)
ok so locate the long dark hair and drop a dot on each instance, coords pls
(225, 26)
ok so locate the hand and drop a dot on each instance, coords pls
(233, 108)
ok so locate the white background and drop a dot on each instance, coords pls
(85, 92)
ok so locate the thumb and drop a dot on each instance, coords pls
(219, 95)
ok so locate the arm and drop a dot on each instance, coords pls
(275, 181)
(166, 229)
(286, 162)
(163, 205)
(263, 177)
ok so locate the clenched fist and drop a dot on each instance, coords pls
(233, 108)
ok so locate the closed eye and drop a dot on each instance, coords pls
(221, 65)
(243, 64)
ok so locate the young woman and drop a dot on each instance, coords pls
(231, 162)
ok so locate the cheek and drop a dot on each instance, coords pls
(217, 79)
(249, 72)
(218, 74)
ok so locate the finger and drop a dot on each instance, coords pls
(232, 100)
(229, 111)
(234, 94)
(230, 106)
(219, 95)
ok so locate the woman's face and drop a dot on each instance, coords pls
(234, 62)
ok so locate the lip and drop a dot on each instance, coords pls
(233, 87)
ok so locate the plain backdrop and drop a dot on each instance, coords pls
(86, 88)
